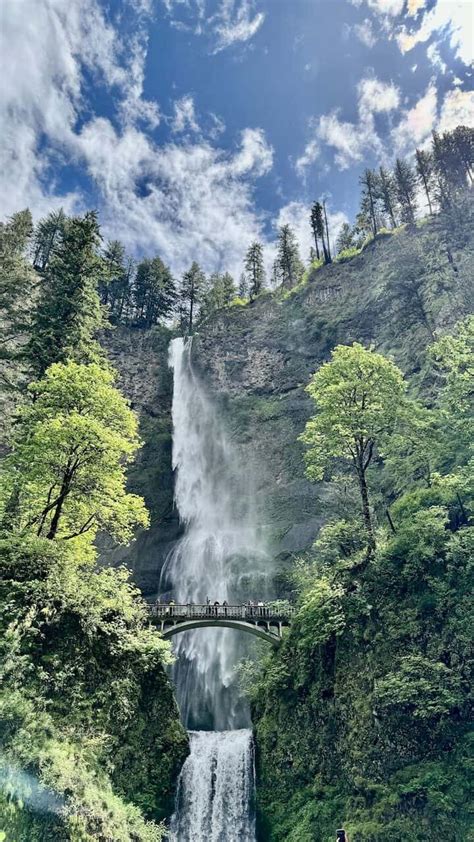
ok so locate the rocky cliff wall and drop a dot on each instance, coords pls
(256, 360)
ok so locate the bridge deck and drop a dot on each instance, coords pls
(247, 613)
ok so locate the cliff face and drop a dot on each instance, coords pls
(397, 294)
(141, 360)
(256, 360)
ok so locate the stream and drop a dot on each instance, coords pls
(221, 556)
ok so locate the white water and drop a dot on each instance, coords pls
(214, 801)
(221, 556)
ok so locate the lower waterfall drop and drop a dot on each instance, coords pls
(216, 789)
(221, 556)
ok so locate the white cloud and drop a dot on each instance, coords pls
(416, 124)
(42, 90)
(365, 33)
(414, 6)
(184, 115)
(234, 21)
(182, 201)
(308, 157)
(350, 141)
(383, 7)
(454, 20)
(457, 110)
(376, 96)
(434, 55)
(255, 154)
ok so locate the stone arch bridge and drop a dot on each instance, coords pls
(265, 620)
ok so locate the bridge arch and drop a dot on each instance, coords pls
(261, 629)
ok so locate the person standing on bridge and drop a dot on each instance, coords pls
(225, 606)
(208, 605)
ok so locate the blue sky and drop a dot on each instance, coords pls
(196, 126)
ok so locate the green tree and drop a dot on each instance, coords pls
(68, 313)
(387, 195)
(192, 287)
(219, 292)
(47, 236)
(154, 292)
(67, 466)
(424, 169)
(358, 395)
(316, 226)
(369, 182)
(288, 268)
(345, 239)
(114, 267)
(405, 182)
(254, 269)
(320, 230)
(453, 357)
(17, 284)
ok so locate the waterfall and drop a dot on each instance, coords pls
(215, 791)
(221, 555)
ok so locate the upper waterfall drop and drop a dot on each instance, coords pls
(221, 555)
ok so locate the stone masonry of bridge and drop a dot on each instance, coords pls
(265, 620)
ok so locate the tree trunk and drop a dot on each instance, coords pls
(329, 258)
(316, 243)
(364, 493)
(65, 487)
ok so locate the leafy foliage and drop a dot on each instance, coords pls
(363, 716)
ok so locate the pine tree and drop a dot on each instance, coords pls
(288, 267)
(369, 184)
(319, 230)
(345, 238)
(405, 182)
(17, 284)
(192, 286)
(315, 227)
(387, 194)
(254, 269)
(243, 286)
(114, 267)
(326, 226)
(154, 292)
(424, 169)
(46, 238)
(68, 313)
(219, 292)
(463, 141)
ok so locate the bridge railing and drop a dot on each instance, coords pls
(250, 613)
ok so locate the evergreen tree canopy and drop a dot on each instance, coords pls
(154, 292)
(17, 283)
(345, 239)
(219, 292)
(405, 183)
(68, 313)
(47, 236)
(288, 268)
(254, 269)
(191, 290)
